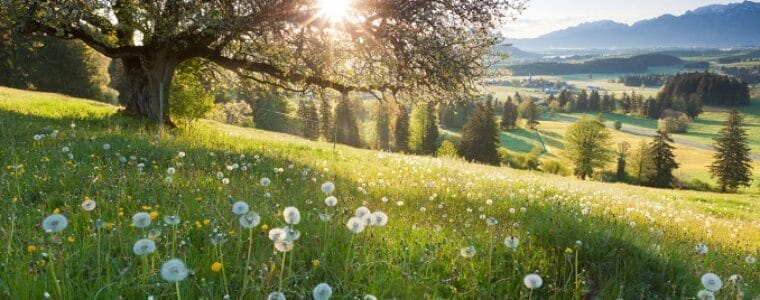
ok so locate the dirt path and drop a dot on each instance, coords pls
(649, 133)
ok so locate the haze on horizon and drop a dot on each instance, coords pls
(544, 16)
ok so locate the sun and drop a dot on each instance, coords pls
(334, 10)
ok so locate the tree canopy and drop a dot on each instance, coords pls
(383, 47)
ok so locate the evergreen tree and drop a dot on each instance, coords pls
(270, 109)
(582, 103)
(480, 136)
(564, 98)
(733, 164)
(346, 129)
(587, 145)
(594, 101)
(652, 109)
(401, 129)
(664, 160)
(622, 155)
(326, 118)
(310, 121)
(607, 104)
(509, 115)
(382, 127)
(423, 129)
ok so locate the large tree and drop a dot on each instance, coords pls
(401, 129)
(508, 115)
(663, 159)
(733, 164)
(377, 46)
(480, 136)
(423, 129)
(587, 144)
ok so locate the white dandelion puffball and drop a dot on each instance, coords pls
(467, 252)
(225, 181)
(55, 223)
(141, 219)
(379, 218)
(278, 234)
(322, 291)
(331, 201)
(361, 212)
(265, 182)
(172, 220)
(88, 205)
(276, 296)
(240, 208)
(65, 149)
(173, 270)
(533, 281)
(292, 215)
(144, 247)
(171, 171)
(734, 278)
(512, 242)
(356, 225)
(328, 187)
(283, 246)
(491, 221)
(750, 259)
(711, 282)
(181, 154)
(701, 249)
(292, 234)
(106, 146)
(369, 297)
(250, 220)
(705, 295)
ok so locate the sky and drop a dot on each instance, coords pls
(544, 16)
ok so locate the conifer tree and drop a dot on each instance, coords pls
(621, 161)
(311, 121)
(480, 136)
(509, 115)
(733, 163)
(346, 129)
(326, 118)
(663, 159)
(382, 127)
(401, 129)
(530, 112)
(423, 129)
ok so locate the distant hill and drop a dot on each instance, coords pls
(714, 26)
(634, 64)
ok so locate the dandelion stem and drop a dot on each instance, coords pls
(55, 278)
(176, 285)
(247, 264)
(224, 277)
(282, 270)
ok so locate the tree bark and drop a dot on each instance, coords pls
(145, 90)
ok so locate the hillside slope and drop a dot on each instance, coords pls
(629, 242)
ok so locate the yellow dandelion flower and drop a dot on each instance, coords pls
(154, 215)
(216, 266)
(198, 224)
(31, 248)
(569, 250)
(264, 227)
(109, 226)
(206, 221)
(70, 239)
(56, 211)
(315, 262)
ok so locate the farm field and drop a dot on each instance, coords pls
(454, 229)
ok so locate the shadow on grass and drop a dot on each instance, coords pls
(608, 255)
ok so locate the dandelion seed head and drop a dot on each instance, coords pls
(141, 219)
(174, 270)
(144, 247)
(88, 205)
(55, 223)
(292, 215)
(276, 296)
(331, 201)
(322, 291)
(533, 281)
(711, 282)
(356, 225)
(240, 208)
(250, 220)
(328, 187)
(467, 252)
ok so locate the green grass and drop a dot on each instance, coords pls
(635, 242)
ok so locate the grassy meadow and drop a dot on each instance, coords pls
(454, 230)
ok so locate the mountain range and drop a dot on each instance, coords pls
(713, 26)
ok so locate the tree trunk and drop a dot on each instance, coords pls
(145, 90)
